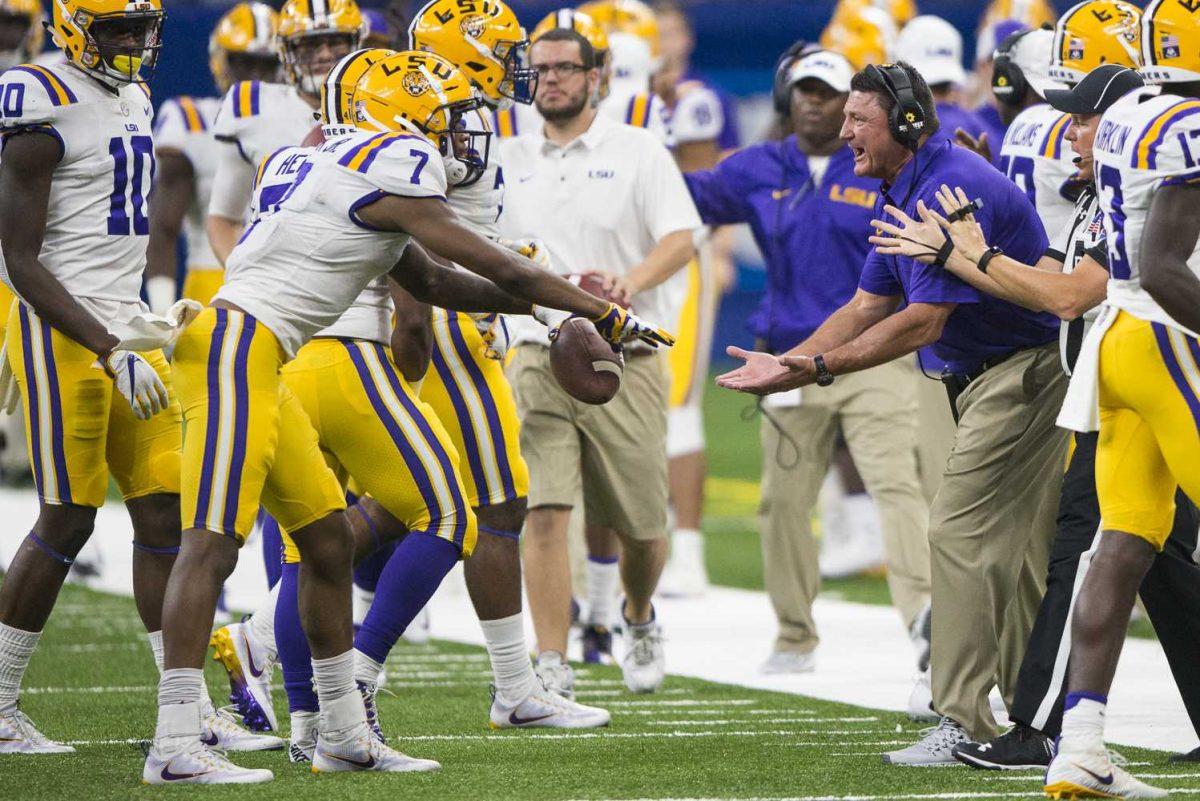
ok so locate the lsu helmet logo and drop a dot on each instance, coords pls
(415, 83)
(473, 25)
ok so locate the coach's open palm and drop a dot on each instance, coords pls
(761, 374)
(967, 233)
(619, 326)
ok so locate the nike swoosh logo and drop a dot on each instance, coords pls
(168, 776)
(210, 740)
(1102, 779)
(367, 765)
(519, 721)
(254, 670)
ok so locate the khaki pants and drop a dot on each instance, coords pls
(876, 410)
(618, 451)
(990, 531)
(936, 425)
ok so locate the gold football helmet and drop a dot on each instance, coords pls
(30, 12)
(901, 11)
(631, 17)
(337, 92)
(92, 32)
(1171, 42)
(484, 40)
(304, 26)
(1034, 13)
(866, 37)
(585, 26)
(424, 94)
(242, 46)
(1096, 32)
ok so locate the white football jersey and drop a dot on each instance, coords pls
(185, 124)
(697, 116)
(298, 269)
(1145, 141)
(97, 223)
(641, 109)
(1037, 158)
(479, 203)
(256, 119)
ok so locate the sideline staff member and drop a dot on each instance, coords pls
(801, 196)
(994, 515)
(600, 195)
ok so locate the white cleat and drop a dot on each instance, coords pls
(198, 765)
(304, 736)
(544, 709)
(684, 575)
(362, 752)
(18, 735)
(1092, 774)
(249, 667)
(417, 632)
(920, 700)
(782, 662)
(644, 664)
(219, 729)
(935, 748)
(556, 675)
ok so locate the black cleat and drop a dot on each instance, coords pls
(1190, 756)
(597, 645)
(1019, 748)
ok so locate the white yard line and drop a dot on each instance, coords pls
(888, 797)
(65, 690)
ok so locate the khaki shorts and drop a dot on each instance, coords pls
(618, 450)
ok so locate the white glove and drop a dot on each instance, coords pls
(551, 318)
(160, 293)
(10, 393)
(532, 249)
(149, 331)
(494, 332)
(137, 381)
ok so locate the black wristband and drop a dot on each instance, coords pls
(824, 377)
(943, 254)
(987, 256)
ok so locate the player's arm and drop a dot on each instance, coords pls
(174, 187)
(233, 186)
(412, 334)
(433, 283)
(435, 227)
(26, 174)
(1168, 241)
(1042, 287)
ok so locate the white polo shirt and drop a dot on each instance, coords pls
(600, 203)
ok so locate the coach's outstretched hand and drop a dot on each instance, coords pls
(916, 239)
(763, 373)
(619, 326)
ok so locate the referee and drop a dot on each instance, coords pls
(1070, 280)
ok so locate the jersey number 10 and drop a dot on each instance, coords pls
(130, 187)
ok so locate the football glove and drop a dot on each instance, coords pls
(494, 332)
(149, 331)
(532, 249)
(10, 393)
(137, 381)
(619, 326)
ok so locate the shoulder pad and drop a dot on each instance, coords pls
(31, 94)
(398, 163)
(1052, 146)
(1170, 138)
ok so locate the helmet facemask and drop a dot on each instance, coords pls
(304, 59)
(520, 82)
(121, 47)
(465, 151)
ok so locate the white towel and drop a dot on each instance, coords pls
(1081, 407)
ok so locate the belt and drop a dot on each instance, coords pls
(968, 376)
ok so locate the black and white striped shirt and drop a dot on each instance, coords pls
(1083, 235)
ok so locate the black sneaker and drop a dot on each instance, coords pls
(1019, 748)
(597, 645)
(1190, 756)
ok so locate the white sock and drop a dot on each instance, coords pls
(303, 722)
(1083, 727)
(334, 677)
(688, 538)
(179, 692)
(262, 623)
(505, 640)
(366, 669)
(180, 686)
(602, 580)
(361, 601)
(342, 717)
(16, 648)
(156, 647)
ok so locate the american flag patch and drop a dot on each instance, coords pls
(1075, 49)
(1097, 225)
(1170, 45)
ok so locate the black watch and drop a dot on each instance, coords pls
(987, 256)
(824, 377)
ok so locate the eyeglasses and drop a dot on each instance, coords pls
(563, 69)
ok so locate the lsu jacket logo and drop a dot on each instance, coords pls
(852, 195)
(603, 174)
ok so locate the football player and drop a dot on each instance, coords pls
(469, 393)
(625, 37)
(77, 167)
(346, 220)
(241, 48)
(256, 119)
(1137, 377)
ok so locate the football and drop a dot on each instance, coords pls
(593, 283)
(315, 137)
(585, 365)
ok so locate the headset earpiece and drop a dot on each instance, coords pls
(1009, 84)
(906, 120)
(780, 96)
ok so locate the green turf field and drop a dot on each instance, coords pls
(91, 683)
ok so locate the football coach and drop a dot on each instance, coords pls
(993, 518)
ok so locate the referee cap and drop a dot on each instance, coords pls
(1099, 89)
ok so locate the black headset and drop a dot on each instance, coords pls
(1009, 84)
(781, 96)
(906, 120)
